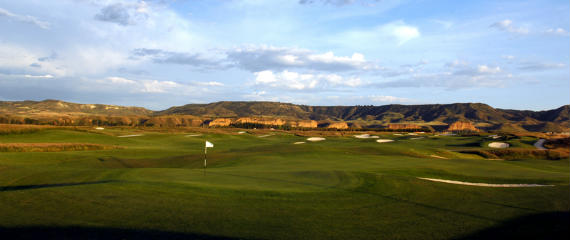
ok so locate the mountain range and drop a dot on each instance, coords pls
(481, 115)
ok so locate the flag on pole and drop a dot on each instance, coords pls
(208, 144)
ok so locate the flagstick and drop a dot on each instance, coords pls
(205, 159)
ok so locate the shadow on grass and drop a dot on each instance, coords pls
(364, 191)
(76, 232)
(36, 186)
(550, 225)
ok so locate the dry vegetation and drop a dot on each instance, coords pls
(52, 147)
(18, 129)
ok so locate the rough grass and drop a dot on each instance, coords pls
(517, 154)
(52, 147)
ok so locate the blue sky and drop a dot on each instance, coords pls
(162, 53)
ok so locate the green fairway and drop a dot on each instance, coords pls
(269, 188)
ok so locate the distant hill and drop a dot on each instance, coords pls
(56, 107)
(482, 115)
(446, 113)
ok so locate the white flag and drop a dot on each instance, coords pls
(209, 144)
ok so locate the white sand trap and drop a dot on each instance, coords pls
(384, 140)
(242, 132)
(374, 136)
(316, 139)
(266, 135)
(397, 134)
(498, 145)
(485, 184)
(362, 136)
(412, 134)
(436, 156)
(540, 144)
(100, 128)
(299, 143)
(416, 138)
(193, 135)
(134, 135)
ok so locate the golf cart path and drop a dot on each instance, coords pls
(484, 184)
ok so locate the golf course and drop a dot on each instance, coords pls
(133, 183)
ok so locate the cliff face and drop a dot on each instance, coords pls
(220, 122)
(462, 126)
(338, 125)
(274, 122)
(403, 126)
(304, 124)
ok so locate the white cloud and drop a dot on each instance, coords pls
(24, 19)
(120, 80)
(397, 33)
(388, 99)
(405, 33)
(19, 59)
(487, 69)
(558, 31)
(38, 76)
(144, 86)
(507, 25)
(298, 81)
(154, 86)
(259, 58)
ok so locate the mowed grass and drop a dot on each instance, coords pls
(269, 188)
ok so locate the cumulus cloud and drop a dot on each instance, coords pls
(298, 81)
(142, 86)
(124, 13)
(507, 26)
(275, 58)
(403, 33)
(24, 19)
(388, 99)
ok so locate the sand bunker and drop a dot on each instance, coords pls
(485, 184)
(412, 134)
(397, 134)
(540, 144)
(193, 135)
(298, 142)
(242, 132)
(99, 128)
(365, 136)
(266, 135)
(134, 135)
(362, 136)
(384, 140)
(315, 139)
(436, 156)
(416, 138)
(498, 145)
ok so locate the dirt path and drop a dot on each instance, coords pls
(540, 144)
(485, 184)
